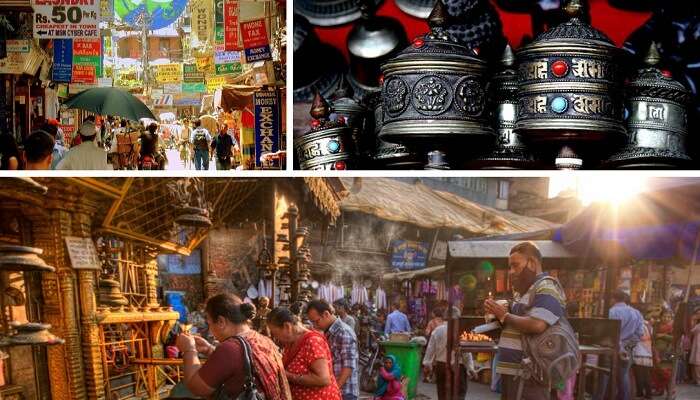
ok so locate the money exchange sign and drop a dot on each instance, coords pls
(57, 19)
(255, 41)
(267, 123)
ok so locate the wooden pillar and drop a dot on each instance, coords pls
(87, 286)
(65, 365)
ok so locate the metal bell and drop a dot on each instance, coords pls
(372, 41)
(328, 145)
(22, 258)
(657, 120)
(193, 217)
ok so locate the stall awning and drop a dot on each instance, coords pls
(495, 249)
(420, 205)
(425, 272)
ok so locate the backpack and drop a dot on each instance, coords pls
(200, 139)
(551, 357)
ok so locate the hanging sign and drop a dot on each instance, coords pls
(169, 73)
(215, 82)
(172, 88)
(205, 64)
(82, 253)
(267, 124)
(62, 60)
(228, 63)
(194, 87)
(257, 46)
(17, 59)
(202, 22)
(107, 10)
(87, 52)
(219, 43)
(188, 99)
(190, 74)
(231, 37)
(84, 74)
(409, 255)
(18, 46)
(56, 19)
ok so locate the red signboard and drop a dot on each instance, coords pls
(86, 47)
(84, 74)
(254, 33)
(231, 39)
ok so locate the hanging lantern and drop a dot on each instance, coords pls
(22, 258)
(192, 209)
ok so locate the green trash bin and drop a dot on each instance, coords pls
(408, 356)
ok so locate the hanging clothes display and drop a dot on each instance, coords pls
(380, 299)
(359, 294)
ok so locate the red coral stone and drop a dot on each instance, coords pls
(560, 68)
(315, 123)
(339, 165)
(381, 79)
(418, 42)
(667, 73)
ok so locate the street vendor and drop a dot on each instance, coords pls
(525, 317)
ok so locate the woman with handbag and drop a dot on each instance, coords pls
(245, 364)
(307, 357)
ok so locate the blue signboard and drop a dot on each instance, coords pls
(409, 255)
(62, 60)
(267, 124)
(258, 54)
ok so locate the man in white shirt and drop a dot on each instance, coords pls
(436, 359)
(87, 155)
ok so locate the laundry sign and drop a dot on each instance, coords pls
(58, 19)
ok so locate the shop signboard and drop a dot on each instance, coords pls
(409, 255)
(231, 36)
(82, 253)
(228, 63)
(84, 74)
(62, 60)
(169, 73)
(18, 45)
(107, 10)
(17, 58)
(202, 22)
(199, 87)
(266, 105)
(219, 42)
(87, 52)
(215, 82)
(205, 64)
(190, 74)
(172, 88)
(257, 46)
(66, 19)
(187, 99)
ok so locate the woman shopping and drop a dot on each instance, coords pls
(229, 319)
(307, 357)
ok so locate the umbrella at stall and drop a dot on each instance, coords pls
(110, 101)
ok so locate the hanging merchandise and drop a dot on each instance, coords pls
(380, 299)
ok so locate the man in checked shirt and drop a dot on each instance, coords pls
(343, 343)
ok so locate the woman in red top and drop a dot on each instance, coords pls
(307, 357)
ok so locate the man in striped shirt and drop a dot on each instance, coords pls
(527, 316)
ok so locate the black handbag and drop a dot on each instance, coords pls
(250, 390)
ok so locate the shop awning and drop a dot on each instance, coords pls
(420, 205)
(425, 272)
(500, 249)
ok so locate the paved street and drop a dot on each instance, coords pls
(482, 392)
(176, 164)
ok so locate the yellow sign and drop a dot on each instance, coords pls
(202, 23)
(205, 64)
(215, 82)
(169, 73)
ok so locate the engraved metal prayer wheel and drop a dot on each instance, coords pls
(354, 114)
(434, 92)
(329, 13)
(570, 84)
(22, 258)
(384, 154)
(657, 120)
(509, 152)
(328, 145)
(372, 41)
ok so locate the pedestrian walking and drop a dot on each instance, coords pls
(38, 150)
(397, 321)
(200, 141)
(223, 146)
(642, 363)
(87, 155)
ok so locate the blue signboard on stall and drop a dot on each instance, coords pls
(409, 255)
(267, 124)
(62, 60)
(261, 53)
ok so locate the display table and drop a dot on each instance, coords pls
(584, 349)
(408, 355)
